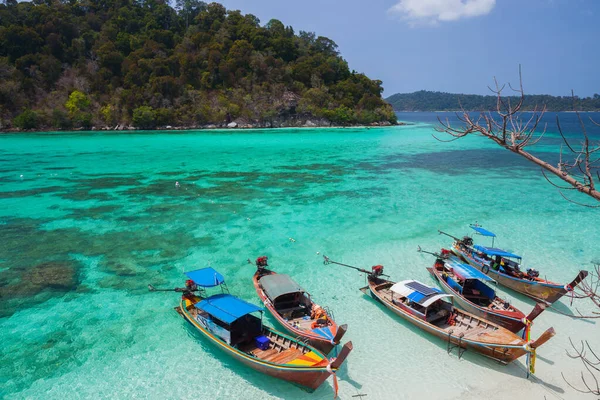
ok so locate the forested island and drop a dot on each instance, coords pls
(439, 101)
(125, 63)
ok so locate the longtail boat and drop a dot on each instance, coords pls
(504, 267)
(295, 310)
(425, 307)
(471, 293)
(228, 322)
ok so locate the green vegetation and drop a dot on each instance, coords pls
(108, 62)
(28, 119)
(439, 101)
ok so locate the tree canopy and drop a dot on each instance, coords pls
(78, 63)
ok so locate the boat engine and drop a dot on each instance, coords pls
(377, 270)
(532, 273)
(261, 262)
(467, 241)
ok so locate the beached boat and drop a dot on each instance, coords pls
(295, 310)
(504, 267)
(230, 324)
(471, 293)
(425, 307)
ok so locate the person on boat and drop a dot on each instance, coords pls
(319, 316)
(532, 274)
(320, 322)
(316, 311)
(496, 263)
(190, 288)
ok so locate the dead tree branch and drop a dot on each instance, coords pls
(591, 363)
(507, 128)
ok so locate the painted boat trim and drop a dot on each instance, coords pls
(238, 353)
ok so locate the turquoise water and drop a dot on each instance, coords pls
(89, 220)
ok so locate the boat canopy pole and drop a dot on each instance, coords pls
(420, 250)
(447, 234)
(328, 261)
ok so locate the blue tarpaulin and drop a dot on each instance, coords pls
(482, 231)
(226, 308)
(416, 297)
(468, 272)
(206, 277)
(495, 252)
(454, 285)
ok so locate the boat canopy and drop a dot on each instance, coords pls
(482, 231)
(206, 277)
(495, 252)
(418, 292)
(226, 308)
(468, 272)
(276, 285)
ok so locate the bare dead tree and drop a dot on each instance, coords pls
(508, 128)
(591, 363)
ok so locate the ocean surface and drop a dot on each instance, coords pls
(89, 219)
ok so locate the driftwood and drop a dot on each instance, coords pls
(507, 128)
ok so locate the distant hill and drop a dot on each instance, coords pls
(439, 101)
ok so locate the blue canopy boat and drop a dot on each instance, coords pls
(504, 267)
(425, 307)
(230, 324)
(469, 287)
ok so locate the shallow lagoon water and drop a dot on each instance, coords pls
(89, 219)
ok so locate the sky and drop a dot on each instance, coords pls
(455, 46)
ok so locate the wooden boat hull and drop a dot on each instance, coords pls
(308, 377)
(504, 353)
(547, 292)
(510, 320)
(308, 336)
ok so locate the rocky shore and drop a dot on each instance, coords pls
(235, 124)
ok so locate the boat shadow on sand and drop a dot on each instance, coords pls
(272, 386)
(517, 368)
(558, 307)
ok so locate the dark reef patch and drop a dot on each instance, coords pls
(85, 195)
(105, 181)
(99, 212)
(42, 265)
(58, 168)
(36, 284)
(30, 192)
(453, 162)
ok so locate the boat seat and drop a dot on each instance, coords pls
(437, 316)
(476, 297)
(292, 312)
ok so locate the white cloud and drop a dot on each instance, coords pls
(433, 11)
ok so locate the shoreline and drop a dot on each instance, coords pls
(209, 127)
